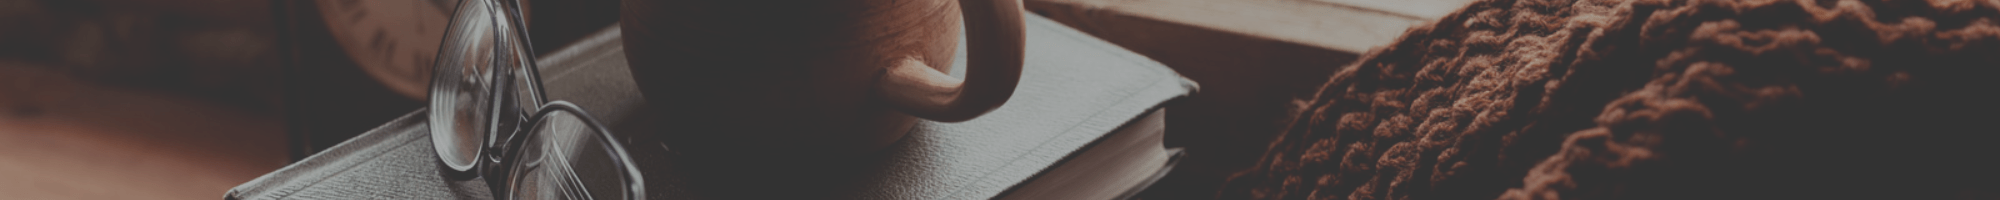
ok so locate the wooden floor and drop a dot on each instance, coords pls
(63, 138)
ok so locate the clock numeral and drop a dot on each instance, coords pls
(422, 63)
(359, 14)
(381, 38)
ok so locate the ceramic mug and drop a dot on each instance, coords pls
(742, 81)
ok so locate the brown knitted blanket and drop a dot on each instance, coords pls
(1656, 99)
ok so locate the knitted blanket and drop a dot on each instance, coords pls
(1656, 99)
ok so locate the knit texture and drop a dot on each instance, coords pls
(1655, 99)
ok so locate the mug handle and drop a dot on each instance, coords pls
(995, 41)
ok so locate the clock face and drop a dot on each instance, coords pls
(394, 41)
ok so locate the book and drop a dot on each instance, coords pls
(1118, 166)
(1086, 122)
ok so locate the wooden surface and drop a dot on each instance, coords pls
(66, 138)
(118, 99)
(1419, 9)
(1311, 23)
(1252, 57)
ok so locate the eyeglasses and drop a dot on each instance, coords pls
(489, 118)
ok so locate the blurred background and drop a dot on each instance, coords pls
(137, 99)
(156, 99)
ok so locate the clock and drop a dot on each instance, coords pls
(394, 41)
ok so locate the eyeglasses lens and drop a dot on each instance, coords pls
(563, 157)
(461, 88)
